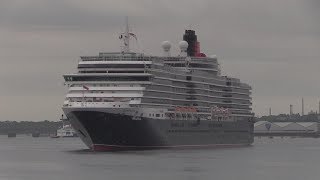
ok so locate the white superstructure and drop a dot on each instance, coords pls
(66, 131)
(129, 80)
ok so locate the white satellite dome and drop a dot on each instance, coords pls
(166, 45)
(183, 45)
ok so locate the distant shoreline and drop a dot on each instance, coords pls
(29, 127)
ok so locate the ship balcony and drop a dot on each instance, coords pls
(189, 85)
(227, 95)
(191, 98)
(191, 92)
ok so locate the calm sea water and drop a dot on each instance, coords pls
(27, 158)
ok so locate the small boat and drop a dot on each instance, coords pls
(66, 131)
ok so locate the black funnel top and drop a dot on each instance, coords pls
(191, 37)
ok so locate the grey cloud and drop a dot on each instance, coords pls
(273, 45)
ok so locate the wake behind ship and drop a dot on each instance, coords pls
(126, 100)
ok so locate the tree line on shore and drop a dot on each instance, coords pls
(29, 127)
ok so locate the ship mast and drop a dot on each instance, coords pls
(125, 37)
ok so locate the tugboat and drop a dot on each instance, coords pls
(66, 130)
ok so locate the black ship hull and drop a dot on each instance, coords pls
(102, 131)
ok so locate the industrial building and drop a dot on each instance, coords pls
(266, 128)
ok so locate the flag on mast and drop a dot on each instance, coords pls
(133, 35)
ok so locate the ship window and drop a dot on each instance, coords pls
(153, 115)
(149, 115)
(157, 115)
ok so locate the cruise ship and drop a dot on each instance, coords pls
(127, 100)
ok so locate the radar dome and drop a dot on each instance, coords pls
(183, 45)
(166, 45)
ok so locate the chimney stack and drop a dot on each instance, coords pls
(302, 108)
(269, 111)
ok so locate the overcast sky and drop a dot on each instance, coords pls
(273, 45)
